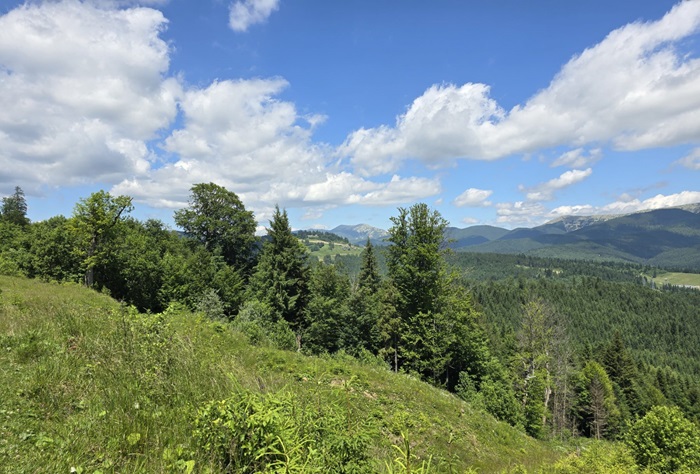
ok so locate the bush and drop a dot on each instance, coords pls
(609, 458)
(263, 328)
(665, 441)
(252, 433)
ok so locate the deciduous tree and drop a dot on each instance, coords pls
(217, 218)
(94, 222)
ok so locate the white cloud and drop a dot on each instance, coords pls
(245, 13)
(470, 221)
(625, 205)
(691, 160)
(545, 191)
(520, 213)
(635, 89)
(577, 158)
(238, 134)
(530, 214)
(81, 91)
(473, 197)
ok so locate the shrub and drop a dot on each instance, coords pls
(665, 441)
(276, 432)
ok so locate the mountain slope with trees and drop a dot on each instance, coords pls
(552, 353)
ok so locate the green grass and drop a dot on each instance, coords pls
(93, 386)
(338, 249)
(679, 279)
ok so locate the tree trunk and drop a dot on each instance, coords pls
(90, 271)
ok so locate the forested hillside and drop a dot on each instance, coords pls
(559, 349)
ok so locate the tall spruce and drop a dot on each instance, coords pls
(369, 278)
(437, 334)
(415, 259)
(281, 276)
(14, 208)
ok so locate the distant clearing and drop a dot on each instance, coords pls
(334, 248)
(679, 279)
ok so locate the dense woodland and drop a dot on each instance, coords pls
(557, 348)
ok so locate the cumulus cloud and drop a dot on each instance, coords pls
(81, 91)
(240, 135)
(529, 213)
(625, 205)
(545, 191)
(520, 213)
(691, 160)
(635, 89)
(85, 94)
(473, 197)
(245, 13)
(577, 158)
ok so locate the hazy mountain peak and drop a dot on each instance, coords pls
(359, 233)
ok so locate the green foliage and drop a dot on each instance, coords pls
(369, 279)
(277, 432)
(665, 441)
(217, 218)
(435, 330)
(406, 462)
(211, 306)
(14, 208)
(53, 250)
(282, 274)
(94, 386)
(415, 261)
(327, 311)
(94, 224)
(598, 457)
(264, 327)
(596, 404)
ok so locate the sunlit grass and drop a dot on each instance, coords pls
(678, 279)
(93, 386)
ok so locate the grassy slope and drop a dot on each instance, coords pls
(90, 385)
(680, 279)
(338, 249)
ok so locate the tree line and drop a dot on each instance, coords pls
(505, 347)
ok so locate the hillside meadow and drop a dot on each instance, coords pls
(93, 386)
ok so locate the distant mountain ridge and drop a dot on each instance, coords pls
(667, 237)
(358, 234)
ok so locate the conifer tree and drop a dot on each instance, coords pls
(281, 276)
(14, 208)
(438, 332)
(368, 278)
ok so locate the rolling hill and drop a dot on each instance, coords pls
(90, 385)
(667, 237)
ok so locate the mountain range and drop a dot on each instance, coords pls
(668, 237)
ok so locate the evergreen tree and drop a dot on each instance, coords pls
(415, 259)
(620, 366)
(328, 318)
(438, 331)
(369, 278)
(14, 208)
(596, 404)
(281, 276)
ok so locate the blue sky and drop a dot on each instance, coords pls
(505, 113)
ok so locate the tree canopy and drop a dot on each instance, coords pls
(218, 219)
